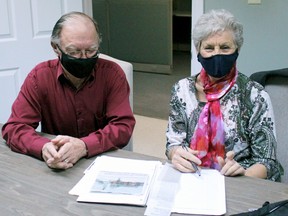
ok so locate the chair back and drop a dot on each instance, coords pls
(276, 84)
(128, 70)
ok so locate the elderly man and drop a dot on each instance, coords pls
(78, 97)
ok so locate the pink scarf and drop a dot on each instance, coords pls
(209, 136)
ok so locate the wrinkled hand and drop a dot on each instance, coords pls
(229, 166)
(181, 159)
(63, 152)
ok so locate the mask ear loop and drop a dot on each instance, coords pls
(56, 49)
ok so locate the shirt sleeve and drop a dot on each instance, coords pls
(19, 131)
(262, 134)
(33, 105)
(177, 122)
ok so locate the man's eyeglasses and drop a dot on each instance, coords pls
(90, 53)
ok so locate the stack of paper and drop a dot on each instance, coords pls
(187, 193)
(117, 180)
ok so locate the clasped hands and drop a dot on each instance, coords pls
(63, 152)
(182, 159)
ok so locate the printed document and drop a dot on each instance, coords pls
(117, 180)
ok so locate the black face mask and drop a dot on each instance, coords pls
(78, 67)
(219, 65)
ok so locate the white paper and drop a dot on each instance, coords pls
(163, 192)
(117, 180)
(203, 194)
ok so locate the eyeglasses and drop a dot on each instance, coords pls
(90, 53)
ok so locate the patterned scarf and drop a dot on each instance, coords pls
(209, 136)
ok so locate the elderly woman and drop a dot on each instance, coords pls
(224, 118)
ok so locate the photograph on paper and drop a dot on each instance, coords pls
(120, 183)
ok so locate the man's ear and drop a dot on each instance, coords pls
(55, 48)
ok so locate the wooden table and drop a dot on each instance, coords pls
(29, 187)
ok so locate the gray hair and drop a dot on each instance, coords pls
(217, 21)
(55, 36)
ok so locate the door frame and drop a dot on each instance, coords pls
(88, 7)
(197, 11)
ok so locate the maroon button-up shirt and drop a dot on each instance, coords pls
(99, 113)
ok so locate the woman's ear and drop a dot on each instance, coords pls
(197, 48)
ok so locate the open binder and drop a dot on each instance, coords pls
(131, 182)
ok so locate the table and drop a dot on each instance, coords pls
(29, 187)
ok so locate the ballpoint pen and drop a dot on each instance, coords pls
(195, 167)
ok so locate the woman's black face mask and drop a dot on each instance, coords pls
(218, 65)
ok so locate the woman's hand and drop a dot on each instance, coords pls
(230, 167)
(182, 158)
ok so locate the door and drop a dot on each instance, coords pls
(139, 32)
(25, 30)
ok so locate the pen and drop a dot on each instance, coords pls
(195, 167)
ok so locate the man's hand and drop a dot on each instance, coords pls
(63, 152)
